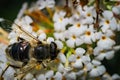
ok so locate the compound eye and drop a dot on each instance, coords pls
(53, 46)
(53, 50)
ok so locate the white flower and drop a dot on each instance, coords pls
(89, 13)
(41, 77)
(116, 9)
(116, 48)
(109, 33)
(59, 36)
(91, 65)
(24, 23)
(97, 50)
(100, 53)
(108, 22)
(3, 65)
(59, 16)
(42, 37)
(73, 39)
(88, 67)
(108, 55)
(49, 74)
(13, 37)
(59, 44)
(62, 57)
(50, 39)
(58, 76)
(29, 76)
(27, 20)
(77, 29)
(97, 71)
(106, 41)
(41, 4)
(96, 62)
(106, 77)
(60, 21)
(85, 59)
(60, 26)
(2, 19)
(79, 73)
(61, 67)
(113, 24)
(80, 51)
(78, 41)
(70, 76)
(115, 77)
(88, 36)
(72, 58)
(78, 64)
(1, 71)
(3, 58)
(118, 25)
(21, 12)
(78, 14)
(70, 43)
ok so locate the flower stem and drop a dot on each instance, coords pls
(66, 3)
(97, 11)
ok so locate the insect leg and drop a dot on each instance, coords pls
(1, 76)
(44, 65)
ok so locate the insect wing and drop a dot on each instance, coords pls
(6, 25)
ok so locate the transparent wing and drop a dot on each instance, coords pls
(5, 28)
(6, 25)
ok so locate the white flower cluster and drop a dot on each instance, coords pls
(79, 34)
(9, 74)
(83, 46)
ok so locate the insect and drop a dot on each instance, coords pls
(27, 54)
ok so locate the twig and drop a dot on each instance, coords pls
(66, 3)
(97, 15)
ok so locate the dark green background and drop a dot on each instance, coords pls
(10, 8)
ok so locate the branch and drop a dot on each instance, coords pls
(98, 12)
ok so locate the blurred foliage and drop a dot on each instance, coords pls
(10, 8)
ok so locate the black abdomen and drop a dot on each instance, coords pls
(19, 51)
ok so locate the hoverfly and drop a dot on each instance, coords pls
(24, 55)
